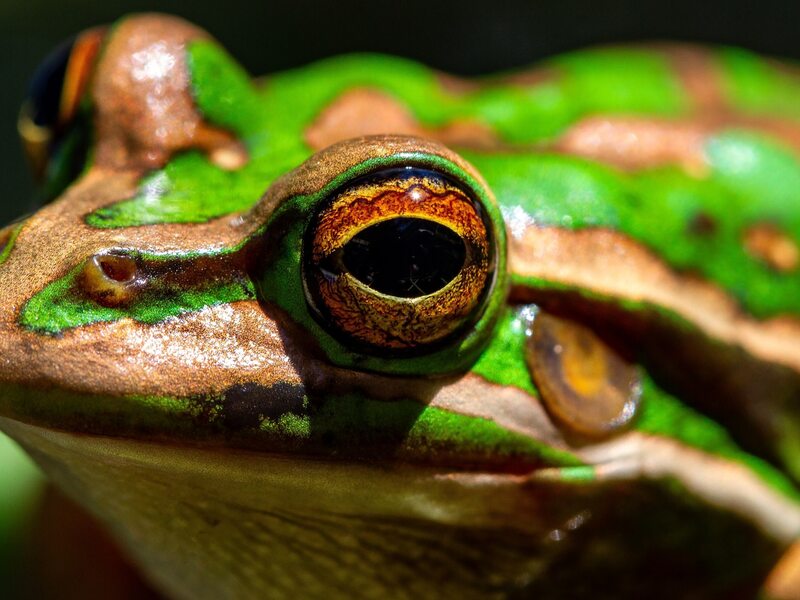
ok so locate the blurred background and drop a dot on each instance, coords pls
(461, 36)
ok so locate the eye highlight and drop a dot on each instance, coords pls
(399, 260)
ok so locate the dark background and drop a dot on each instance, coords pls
(464, 37)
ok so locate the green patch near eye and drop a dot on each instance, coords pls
(410, 429)
(546, 189)
(503, 361)
(192, 190)
(62, 305)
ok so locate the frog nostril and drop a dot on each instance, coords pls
(117, 268)
(110, 278)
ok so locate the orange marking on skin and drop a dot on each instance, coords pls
(79, 71)
(769, 244)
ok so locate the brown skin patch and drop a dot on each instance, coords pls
(703, 225)
(586, 385)
(769, 244)
(144, 110)
(364, 111)
(636, 143)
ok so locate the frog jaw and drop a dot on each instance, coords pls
(151, 496)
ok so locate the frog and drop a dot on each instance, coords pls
(363, 329)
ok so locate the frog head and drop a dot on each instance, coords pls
(364, 312)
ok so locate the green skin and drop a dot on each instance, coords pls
(751, 178)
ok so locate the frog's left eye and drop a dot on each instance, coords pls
(399, 260)
(55, 92)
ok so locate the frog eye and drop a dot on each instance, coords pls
(399, 260)
(54, 96)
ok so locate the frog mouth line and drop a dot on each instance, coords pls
(425, 492)
(281, 420)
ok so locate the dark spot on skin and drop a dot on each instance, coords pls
(245, 405)
(702, 225)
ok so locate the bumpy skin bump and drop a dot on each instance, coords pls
(144, 110)
(237, 449)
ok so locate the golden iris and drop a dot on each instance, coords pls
(399, 260)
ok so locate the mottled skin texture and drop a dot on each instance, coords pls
(237, 448)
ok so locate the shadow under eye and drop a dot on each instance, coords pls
(405, 257)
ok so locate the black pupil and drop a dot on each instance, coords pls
(405, 257)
